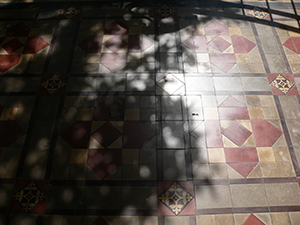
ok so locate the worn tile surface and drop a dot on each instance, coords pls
(170, 112)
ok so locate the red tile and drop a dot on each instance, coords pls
(99, 221)
(8, 61)
(271, 76)
(265, 134)
(109, 109)
(234, 155)
(274, 132)
(219, 44)
(34, 45)
(115, 44)
(298, 179)
(116, 28)
(231, 102)
(91, 44)
(113, 61)
(237, 133)
(78, 134)
(216, 28)
(12, 45)
(136, 134)
(293, 43)
(293, 91)
(10, 132)
(104, 162)
(213, 134)
(196, 44)
(18, 30)
(138, 43)
(243, 168)
(106, 134)
(253, 220)
(234, 113)
(242, 44)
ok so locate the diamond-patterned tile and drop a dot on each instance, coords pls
(91, 44)
(219, 44)
(178, 198)
(237, 133)
(115, 44)
(12, 45)
(253, 220)
(34, 45)
(108, 110)
(196, 44)
(138, 43)
(242, 44)
(18, 30)
(293, 43)
(106, 134)
(116, 28)
(282, 84)
(113, 61)
(170, 84)
(104, 162)
(216, 28)
(258, 13)
(29, 196)
(53, 85)
(8, 61)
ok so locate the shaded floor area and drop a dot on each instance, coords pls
(149, 113)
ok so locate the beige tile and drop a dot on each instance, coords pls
(202, 57)
(235, 31)
(177, 220)
(270, 113)
(93, 58)
(282, 154)
(265, 154)
(256, 113)
(268, 169)
(264, 217)
(69, 114)
(293, 58)
(216, 155)
(287, 194)
(212, 196)
(294, 218)
(295, 68)
(227, 219)
(130, 156)
(148, 220)
(205, 220)
(290, 107)
(218, 171)
(242, 58)
(285, 169)
(280, 218)
(267, 101)
(211, 113)
(132, 114)
(253, 101)
(79, 156)
(250, 195)
(241, 218)
(85, 114)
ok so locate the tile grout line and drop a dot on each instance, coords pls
(55, 132)
(262, 54)
(287, 136)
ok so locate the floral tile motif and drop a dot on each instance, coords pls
(29, 196)
(282, 84)
(164, 11)
(72, 12)
(53, 84)
(258, 13)
(177, 198)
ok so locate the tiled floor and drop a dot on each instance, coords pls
(160, 112)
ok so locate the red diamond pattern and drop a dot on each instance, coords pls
(237, 133)
(219, 44)
(12, 45)
(91, 44)
(116, 28)
(293, 43)
(252, 220)
(216, 28)
(115, 44)
(8, 61)
(106, 134)
(34, 45)
(242, 44)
